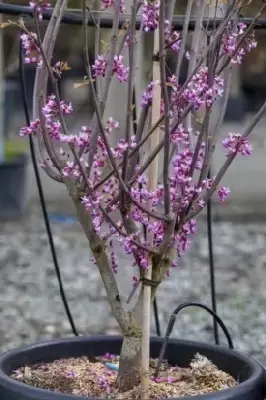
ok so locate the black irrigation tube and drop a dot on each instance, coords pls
(74, 17)
(172, 321)
(41, 194)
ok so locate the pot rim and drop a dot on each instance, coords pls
(8, 383)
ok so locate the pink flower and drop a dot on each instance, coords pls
(180, 135)
(32, 51)
(223, 193)
(39, 6)
(236, 143)
(110, 3)
(135, 281)
(119, 69)
(230, 43)
(172, 38)
(150, 15)
(99, 66)
(146, 99)
(31, 129)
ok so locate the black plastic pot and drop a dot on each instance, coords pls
(248, 372)
(13, 187)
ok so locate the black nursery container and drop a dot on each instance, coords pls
(248, 372)
(13, 187)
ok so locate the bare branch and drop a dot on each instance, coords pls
(243, 37)
(112, 51)
(131, 77)
(125, 204)
(98, 249)
(169, 12)
(140, 128)
(41, 77)
(165, 93)
(215, 131)
(227, 163)
(99, 110)
(184, 38)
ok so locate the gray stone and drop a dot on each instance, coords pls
(31, 308)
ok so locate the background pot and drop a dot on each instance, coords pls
(13, 187)
(249, 372)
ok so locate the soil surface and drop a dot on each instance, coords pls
(80, 376)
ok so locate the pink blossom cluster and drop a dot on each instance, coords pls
(32, 51)
(100, 66)
(110, 3)
(236, 143)
(119, 69)
(51, 108)
(166, 379)
(183, 188)
(32, 129)
(223, 193)
(198, 91)
(39, 6)
(150, 15)
(230, 45)
(172, 38)
(146, 99)
(180, 135)
(109, 357)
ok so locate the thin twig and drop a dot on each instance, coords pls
(112, 51)
(128, 128)
(41, 77)
(165, 94)
(183, 88)
(99, 109)
(184, 39)
(102, 209)
(245, 34)
(227, 163)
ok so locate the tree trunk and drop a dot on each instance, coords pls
(129, 363)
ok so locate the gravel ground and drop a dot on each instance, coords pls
(31, 309)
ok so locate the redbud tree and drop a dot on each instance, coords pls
(175, 122)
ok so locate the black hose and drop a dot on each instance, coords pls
(171, 326)
(41, 194)
(212, 270)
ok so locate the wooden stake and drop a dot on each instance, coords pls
(152, 185)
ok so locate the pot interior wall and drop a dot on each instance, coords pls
(178, 353)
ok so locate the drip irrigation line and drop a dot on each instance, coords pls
(172, 321)
(211, 257)
(75, 17)
(212, 268)
(41, 195)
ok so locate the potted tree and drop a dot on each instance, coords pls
(115, 189)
